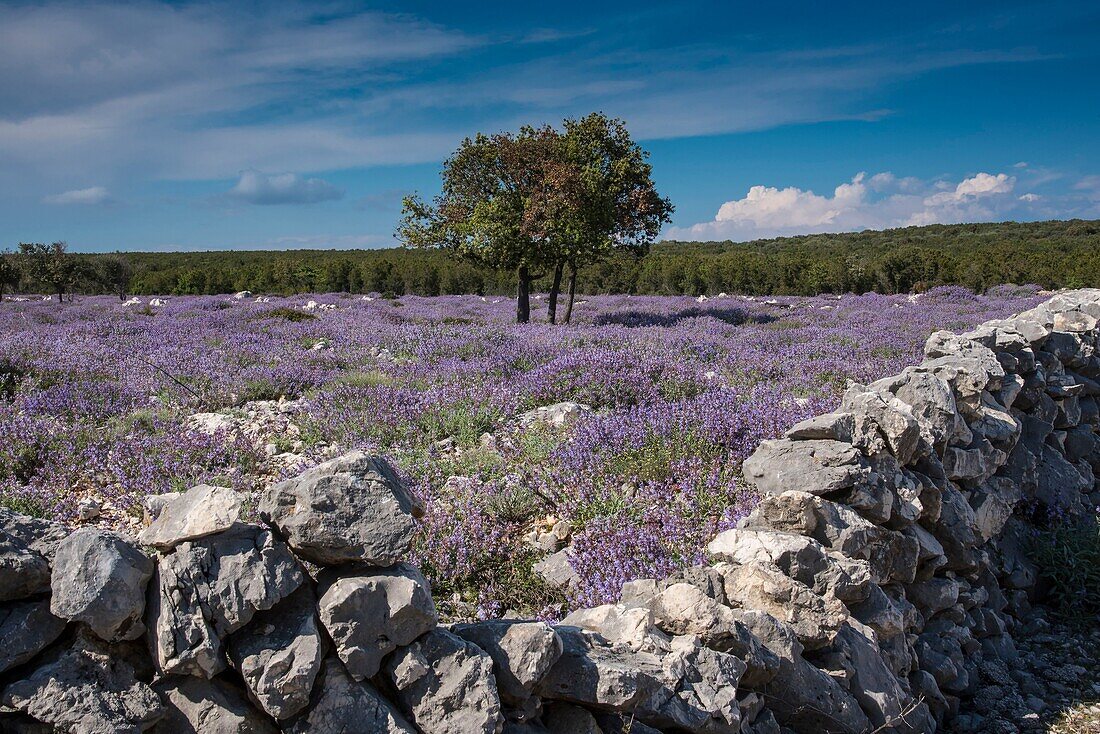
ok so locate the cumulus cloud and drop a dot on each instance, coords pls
(89, 196)
(877, 202)
(255, 187)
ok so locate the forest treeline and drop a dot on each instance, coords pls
(1053, 254)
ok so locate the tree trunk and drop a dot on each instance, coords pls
(572, 293)
(555, 288)
(60, 296)
(523, 295)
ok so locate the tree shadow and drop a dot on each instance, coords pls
(633, 318)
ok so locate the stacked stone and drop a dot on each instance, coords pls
(887, 548)
(880, 572)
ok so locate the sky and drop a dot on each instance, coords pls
(268, 125)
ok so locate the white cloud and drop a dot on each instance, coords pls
(89, 196)
(1030, 198)
(255, 187)
(880, 201)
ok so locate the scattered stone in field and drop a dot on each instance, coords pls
(446, 685)
(88, 509)
(85, 689)
(557, 415)
(369, 613)
(350, 509)
(99, 579)
(556, 570)
(26, 628)
(200, 511)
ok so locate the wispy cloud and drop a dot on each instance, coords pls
(254, 187)
(83, 197)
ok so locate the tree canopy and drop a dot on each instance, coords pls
(540, 200)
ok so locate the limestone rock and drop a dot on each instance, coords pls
(99, 579)
(556, 570)
(41, 536)
(818, 467)
(881, 696)
(85, 689)
(446, 685)
(565, 718)
(211, 587)
(211, 707)
(26, 628)
(898, 426)
(353, 508)
(556, 415)
(198, 512)
(764, 587)
(23, 572)
(590, 672)
(341, 704)
(521, 652)
(371, 612)
(279, 654)
(803, 559)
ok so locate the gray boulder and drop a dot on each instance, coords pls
(565, 718)
(211, 587)
(556, 570)
(897, 424)
(802, 697)
(279, 654)
(353, 508)
(591, 672)
(41, 536)
(23, 572)
(197, 706)
(372, 612)
(818, 467)
(763, 587)
(446, 685)
(86, 689)
(803, 559)
(99, 579)
(522, 652)
(880, 694)
(26, 628)
(341, 704)
(196, 513)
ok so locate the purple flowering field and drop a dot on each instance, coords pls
(96, 399)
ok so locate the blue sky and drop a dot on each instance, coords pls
(165, 126)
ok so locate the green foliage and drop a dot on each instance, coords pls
(979, 256)
(1068, 557)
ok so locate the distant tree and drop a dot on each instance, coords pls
(9, 272)
(497, 207)
(113, 273)
(618, 207)
(52, 266)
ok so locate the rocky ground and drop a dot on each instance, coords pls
(1053, 686)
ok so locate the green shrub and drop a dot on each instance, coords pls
(1068, 557)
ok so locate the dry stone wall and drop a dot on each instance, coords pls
(882, 569)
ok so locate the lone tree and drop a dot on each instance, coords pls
(9, 272)
(617, 206)
(499, 206)
(52, 266)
